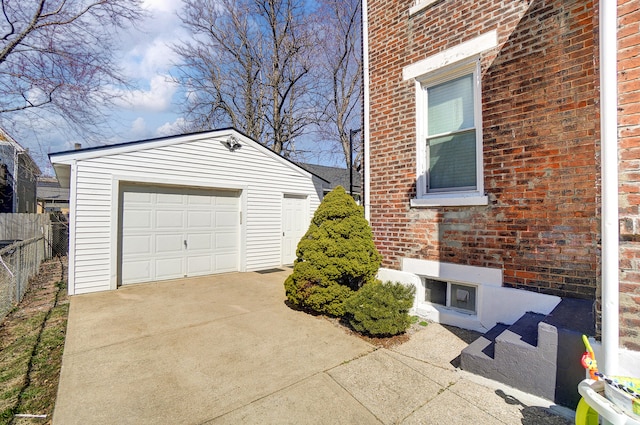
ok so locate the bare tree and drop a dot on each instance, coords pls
(341, 72)
(57, 56)
(248, 66)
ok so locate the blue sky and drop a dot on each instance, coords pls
(148, 111)
(151, 110)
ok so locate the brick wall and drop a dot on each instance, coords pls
(629, 171)
(541, 149)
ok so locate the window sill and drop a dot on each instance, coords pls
(420, 5)
(449, 201)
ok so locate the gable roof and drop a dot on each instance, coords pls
(6, 139)
(335, 176)
(62, 161)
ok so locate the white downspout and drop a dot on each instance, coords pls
(609, 176)
(365, 100)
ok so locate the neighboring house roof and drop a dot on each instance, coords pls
(62, 160)
(48, 189)
(6, 139)
(334, 175)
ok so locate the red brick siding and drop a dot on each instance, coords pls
(541, 149)
(629, 172)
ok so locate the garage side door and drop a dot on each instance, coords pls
(168, 233)
(294, 225)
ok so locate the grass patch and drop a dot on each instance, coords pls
(416, 320)
(31, 344)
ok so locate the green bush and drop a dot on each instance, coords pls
(380, 309)
(334, 258)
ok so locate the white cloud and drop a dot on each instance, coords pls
(166, 6)
(139, 128)
(170, 129)
(149, 52)
(150, 58)
(157, 99)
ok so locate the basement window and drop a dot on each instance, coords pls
(454, 295)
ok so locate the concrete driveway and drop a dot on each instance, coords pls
(225, 349)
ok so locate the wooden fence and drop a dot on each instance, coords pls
(23, 226)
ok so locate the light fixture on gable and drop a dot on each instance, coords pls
(232, 143)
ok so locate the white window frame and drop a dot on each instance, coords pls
(449, 295)
(423, 83)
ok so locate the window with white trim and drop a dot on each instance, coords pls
(450, 137)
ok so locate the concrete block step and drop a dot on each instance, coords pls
(523, 333)
(538, 353)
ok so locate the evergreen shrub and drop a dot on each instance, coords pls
(380, 309)
(334, 258)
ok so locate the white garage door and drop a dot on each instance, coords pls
(168, 233)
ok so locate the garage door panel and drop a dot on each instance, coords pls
(200, 219)
(169, 199)
(136, 197)
(169, 243)
(227, 262)
(169, 219)
(168, 268)
(137, 271)
(137, 245)
(199, 241)
(199, 265)
(157, 221)
(137, 219)
(225, 241)
(226, 219)
(204, 200)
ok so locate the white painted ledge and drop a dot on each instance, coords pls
(462, 51)
(419, 5)
(449, 201)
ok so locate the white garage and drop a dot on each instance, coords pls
(181, 206)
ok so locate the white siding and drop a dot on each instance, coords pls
(263, 178)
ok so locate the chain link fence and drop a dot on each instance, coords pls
(45, 236)
(18, 263)
(59, 234)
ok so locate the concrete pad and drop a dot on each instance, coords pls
(443, 376)
(316, 400)
(435, 344)
(151, 308)
(390, 389)
(226, 349)
(449, 408)
(468, 402)
(508, 404)
(189, 364)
